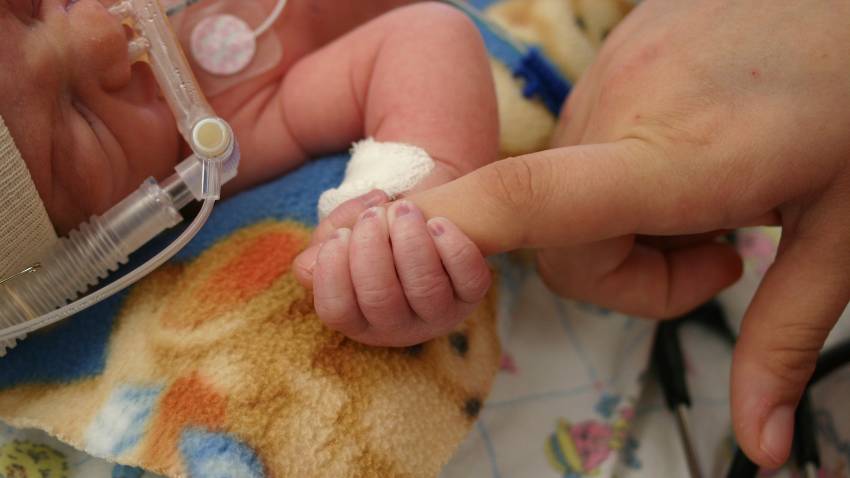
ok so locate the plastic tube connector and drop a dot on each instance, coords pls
(212, 138)
(77, 263)
(83, 258)
(193, 169)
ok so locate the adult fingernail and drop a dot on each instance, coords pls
(776, 433)
(374, 198)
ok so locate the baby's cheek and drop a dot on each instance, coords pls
(147, 133)
(160, 150)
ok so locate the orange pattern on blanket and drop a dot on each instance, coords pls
(259, 264)
(190, 402)
(248, 266)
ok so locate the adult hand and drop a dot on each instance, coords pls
(697, 117)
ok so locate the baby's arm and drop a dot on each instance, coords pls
(418, 75)
(415, 75)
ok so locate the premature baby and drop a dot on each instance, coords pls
(91, 126)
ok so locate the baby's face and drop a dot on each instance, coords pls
(90, 126)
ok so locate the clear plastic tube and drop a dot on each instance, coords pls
(276, 13)
(80, 261)
(167, 62)
(16, 332)
(209, 137)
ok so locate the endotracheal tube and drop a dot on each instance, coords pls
(78, 262)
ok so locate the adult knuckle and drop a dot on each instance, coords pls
(511, 183)
(791, 363)
(793, 350)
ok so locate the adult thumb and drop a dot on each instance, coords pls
(797, 305)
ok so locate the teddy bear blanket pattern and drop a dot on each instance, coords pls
(216, 366)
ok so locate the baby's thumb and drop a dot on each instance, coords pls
(303, 266)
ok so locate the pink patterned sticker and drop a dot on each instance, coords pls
(223, 44)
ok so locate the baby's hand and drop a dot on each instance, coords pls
(393, 279)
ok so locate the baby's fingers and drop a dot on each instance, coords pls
(379, 293)
(426, 284)
(333, 291)
(462, 259)
(345, 216)
(347, 213)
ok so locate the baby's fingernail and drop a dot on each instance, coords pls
(303, 256)
(374, 198)
(776, 433)
(403, 208)
(307, 271)
(435, 228)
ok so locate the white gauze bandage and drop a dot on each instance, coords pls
(394, 168)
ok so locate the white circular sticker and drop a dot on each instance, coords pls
(223, 44)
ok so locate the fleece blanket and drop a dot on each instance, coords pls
(216, 366)
(574, 395)
(178, 376)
